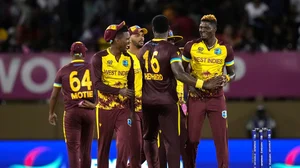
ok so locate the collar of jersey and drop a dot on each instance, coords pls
(158, 39)
(130, 52)
(108, 50)
(77, 61)
(215, 45)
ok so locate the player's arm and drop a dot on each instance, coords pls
(186, 55)
(53, 99)
(130, 83)
(229, 63)
(181, 75)
(97, 77)
(87, 104)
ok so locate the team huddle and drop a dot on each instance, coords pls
(137, 91)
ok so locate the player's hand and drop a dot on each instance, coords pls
(194, 91)
(52, 118)
(225, 80)
(213, 83)
(86, 104)
(126, 92)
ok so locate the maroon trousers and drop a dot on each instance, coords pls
(183, 139)
(137, 156)
(164, 117)
(215, 110)
(78, 127)
(137, 146)
(127, 140)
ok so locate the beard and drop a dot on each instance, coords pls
(137, 44)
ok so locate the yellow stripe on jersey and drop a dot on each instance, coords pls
(229, 63)
(97, 121)
(64, 127)
(178, 118)
(158, 138)
(56, 85)
(175, 60)
(185, 59)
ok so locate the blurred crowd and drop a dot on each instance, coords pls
(52, 25)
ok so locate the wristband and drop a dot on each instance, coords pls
(199, 84)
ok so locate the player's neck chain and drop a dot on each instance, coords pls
(214, 43)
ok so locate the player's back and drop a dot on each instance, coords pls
(159, 86)
(76, 83)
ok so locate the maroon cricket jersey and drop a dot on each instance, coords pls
(159, 84)
(76, 83)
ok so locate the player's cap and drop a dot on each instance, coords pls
(111, 31)
(136, 30)
(172, 37)
(78, 48)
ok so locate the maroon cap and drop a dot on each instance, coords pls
(78, 48)
(111, 31)
(136, 30)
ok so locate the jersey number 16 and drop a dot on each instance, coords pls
(154, 62)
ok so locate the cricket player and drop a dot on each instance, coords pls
(136, 43)
(182, 120)
(161, 65)
(75, 82)
(207, 57)
(113, 73)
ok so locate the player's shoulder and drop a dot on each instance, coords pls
(100, 54)
(225, 44)
(63, 69)
(191, 42)
(147, 44)
(168, 44)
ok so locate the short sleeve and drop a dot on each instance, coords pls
(175, 55)
(230, 56)
(186, 55)
(58, 79)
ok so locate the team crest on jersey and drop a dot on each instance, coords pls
(125, 63)
(109, 62)
(217, 51)
(224, 114)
